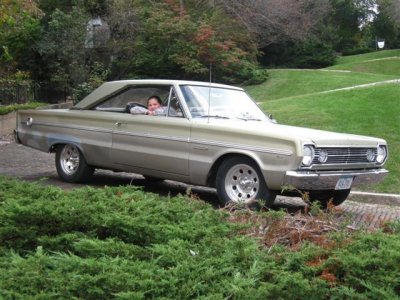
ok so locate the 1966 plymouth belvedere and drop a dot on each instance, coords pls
(208, 134)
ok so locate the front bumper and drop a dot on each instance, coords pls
(326, 180)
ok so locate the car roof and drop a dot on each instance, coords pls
(112, 87)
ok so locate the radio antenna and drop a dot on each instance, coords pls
(209, 94)
(210, 72)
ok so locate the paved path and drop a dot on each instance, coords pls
(26, 163)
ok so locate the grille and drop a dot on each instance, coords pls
(344, 155)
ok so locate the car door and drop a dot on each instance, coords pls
(152, 143)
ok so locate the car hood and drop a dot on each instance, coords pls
(320, 138)
(327, 138)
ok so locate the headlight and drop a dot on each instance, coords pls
(323, 156)
(308, 155)
(382, 153)
(370, 155)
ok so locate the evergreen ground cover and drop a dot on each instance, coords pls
(122, 243)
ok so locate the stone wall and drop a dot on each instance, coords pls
(7, 123)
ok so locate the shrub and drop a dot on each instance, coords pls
(13, 107)
(123, 243)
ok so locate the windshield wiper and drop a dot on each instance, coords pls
(214, 116)
(248, 119)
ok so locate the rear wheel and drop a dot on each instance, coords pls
(334, 197)
(71, 164)
(239, 180)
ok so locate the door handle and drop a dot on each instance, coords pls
(120, 124)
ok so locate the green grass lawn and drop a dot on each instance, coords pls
(287, 83)
(389, 66)
(294, 96)
(368, 56)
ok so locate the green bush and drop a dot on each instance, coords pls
(123, 243)
(311, 53)
(13, 107)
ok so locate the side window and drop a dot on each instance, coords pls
(174, 108)
(134, 99)
(133, 95)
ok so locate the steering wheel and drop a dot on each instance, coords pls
(131, 105)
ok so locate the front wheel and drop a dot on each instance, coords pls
(239, 180)
(71, 164)
(334, 197)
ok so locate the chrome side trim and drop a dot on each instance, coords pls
(102, 130)
(242, 147)
(69, 126)
(154, 136)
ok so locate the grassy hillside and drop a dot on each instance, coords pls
(368, 56)
(381, 62)
(387, 66)
(287, 83)
(296, 97)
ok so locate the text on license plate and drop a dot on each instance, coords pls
(344, 183)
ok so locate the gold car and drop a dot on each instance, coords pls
(208, 134)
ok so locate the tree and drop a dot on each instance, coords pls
(122, 17)
(395, 10)
(62, 50)
(277, 21)
(179, 39)
(19, 28)
(387, 23)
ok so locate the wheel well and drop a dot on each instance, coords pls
(212, 174)
(53, 148)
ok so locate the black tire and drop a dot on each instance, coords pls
(239, 180)
(71, 164)
(334, 197)
(153, 179)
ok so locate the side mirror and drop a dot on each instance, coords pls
(272, 119)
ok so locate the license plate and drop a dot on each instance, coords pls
(344, 183)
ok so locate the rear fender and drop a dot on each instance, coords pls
(55, 140)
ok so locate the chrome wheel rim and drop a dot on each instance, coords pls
(242, 183)
(69, 159)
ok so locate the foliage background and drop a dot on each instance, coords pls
(48, 40)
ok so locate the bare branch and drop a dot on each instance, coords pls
(277, 20)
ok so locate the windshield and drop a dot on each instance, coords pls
(223, 103)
